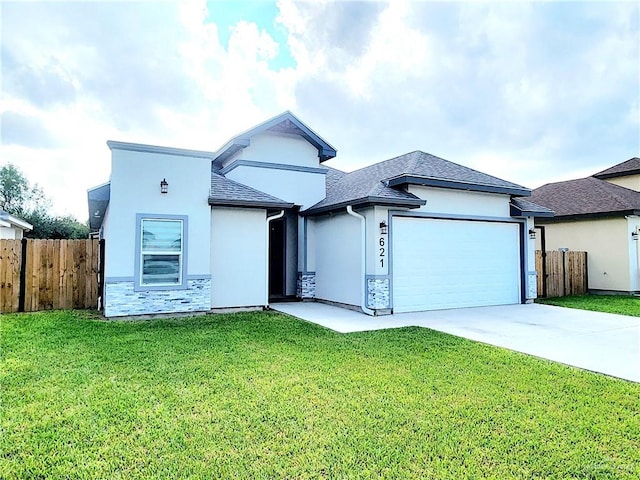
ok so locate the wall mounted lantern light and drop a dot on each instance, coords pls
(532, 234)
(634, 235)
(164, 186)
(383, 228)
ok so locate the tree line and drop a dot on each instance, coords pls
(29, 202)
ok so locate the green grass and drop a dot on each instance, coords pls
(262, 395)
(620, 304)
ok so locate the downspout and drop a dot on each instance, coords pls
(266, 283)
(363, 268)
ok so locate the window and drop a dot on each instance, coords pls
(161, 251)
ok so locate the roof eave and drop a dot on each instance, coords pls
(627, 173)
(523, 212)
(442, 183)
(220, 202)
(594, 215)
(365, 202)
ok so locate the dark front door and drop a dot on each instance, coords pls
(276, 258)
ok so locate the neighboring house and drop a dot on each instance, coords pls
(600, 215)
(263, 219)
(12, 228)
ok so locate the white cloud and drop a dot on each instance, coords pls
(530, 92)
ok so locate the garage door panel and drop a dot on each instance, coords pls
(440, 264)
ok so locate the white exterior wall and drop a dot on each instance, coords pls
(135, 188)
(10, 233)
(337, 247)
(460, 202)
(238, 257)
(279, 148)
(302, 188)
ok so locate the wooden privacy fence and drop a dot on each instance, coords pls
(562, 273)
(48, 274)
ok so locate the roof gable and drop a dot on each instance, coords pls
(629, 167)
(586, 197)
(286, 122)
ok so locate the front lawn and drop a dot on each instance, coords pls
(262, 395)
(621, 304)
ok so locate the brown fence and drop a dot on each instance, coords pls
(48, 274)
(562, 273)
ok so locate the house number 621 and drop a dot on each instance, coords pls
(381, 242)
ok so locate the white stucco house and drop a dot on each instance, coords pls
(12, 227)
(263, 219)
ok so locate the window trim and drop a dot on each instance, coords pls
(138, 286)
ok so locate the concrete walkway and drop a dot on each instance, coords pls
(600, 342)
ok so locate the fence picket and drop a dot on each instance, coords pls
(59, 274)
(566, 273)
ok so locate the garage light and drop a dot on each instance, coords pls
(532, 234)
(634, 235)
(383, 228)
(164, 186)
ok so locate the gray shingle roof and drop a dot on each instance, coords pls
(226, 192)
(630, 167)
(381, 183)
(586, 197)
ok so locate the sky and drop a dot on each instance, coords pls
(531, 92)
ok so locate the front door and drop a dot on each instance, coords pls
(277, 258)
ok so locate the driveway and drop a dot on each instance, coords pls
(601, 342)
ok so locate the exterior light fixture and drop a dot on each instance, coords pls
(164, 186)
(634, 235)
(383, 228)
(532, 233)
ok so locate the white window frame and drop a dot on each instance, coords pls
(139, 285)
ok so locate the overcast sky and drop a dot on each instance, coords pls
(529, 92)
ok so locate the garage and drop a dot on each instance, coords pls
(451, 263)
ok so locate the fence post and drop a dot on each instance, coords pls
(101, 244)
(23, 275)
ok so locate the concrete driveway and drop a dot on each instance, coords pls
(600, 342)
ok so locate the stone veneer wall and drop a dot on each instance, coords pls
(122, 300)
(378, 293)
(306, 285)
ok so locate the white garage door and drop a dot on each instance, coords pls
(440, 264)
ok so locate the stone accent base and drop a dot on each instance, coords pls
(121, 300)
(306, 285)
(378, 293)
(532, 285)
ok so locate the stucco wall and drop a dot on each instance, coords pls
(630, 181)
(135, 188)
(302, 188)
(337, 244)
(459, 202)
(279, 148)
(607, 243)
(238, 257)
(9, 233)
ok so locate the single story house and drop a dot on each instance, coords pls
(263, 219)
(12, 227)
(600, 215)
